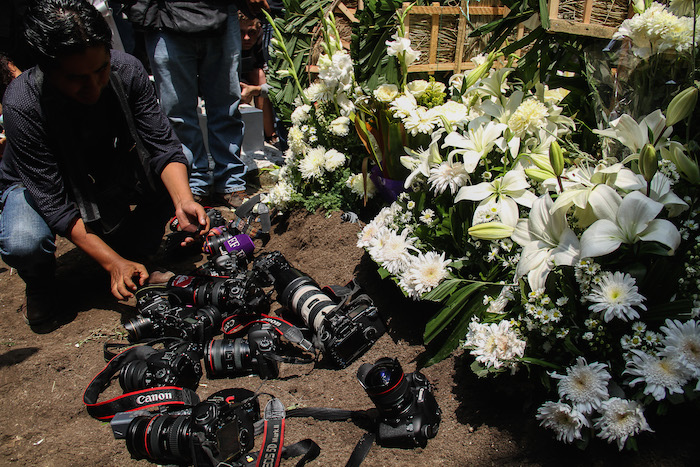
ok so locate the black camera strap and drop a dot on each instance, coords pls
(146, 399)
(238, 323)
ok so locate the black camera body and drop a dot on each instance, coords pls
(241, 356)
(225, 265)
(217, 430)
(239, 294)
(176, 365)
(160, 317)
(346, 326)
(408, 413)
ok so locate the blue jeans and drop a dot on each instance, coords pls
(185, 66)
(26, 241)
(29, 245)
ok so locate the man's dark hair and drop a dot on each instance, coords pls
(58, 28)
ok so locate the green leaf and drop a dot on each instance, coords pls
(537, 361)
(454, 305)
(443, 290)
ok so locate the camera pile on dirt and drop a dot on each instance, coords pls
(217, 319)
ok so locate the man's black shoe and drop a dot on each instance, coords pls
(40, 311)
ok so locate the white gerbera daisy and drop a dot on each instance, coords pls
(495, 345)
(424, 273)
(620, 419)
(311, 166)
(660, 374)
(585, 385)
(615, 296)
(565, 420)
(683, 341)
(421, 120)
(450, 175)
(368, 233)
(395, 253)
(333, 160)
(427, 216)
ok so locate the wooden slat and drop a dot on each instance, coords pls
(349, 14)
(434, 35)
(581, 29)
(587, 11)
(454, 10)
(553, 8)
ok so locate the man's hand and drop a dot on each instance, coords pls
(126, 276)
(255, 6)
(193, 218)
(248, 92)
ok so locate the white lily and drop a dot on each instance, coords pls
(478, 142)
(547, 241)
(625, 220)
(661, 192)
(420, 162)
(507, 192)
(635, 135)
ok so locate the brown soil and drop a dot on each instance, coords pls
(43, 421)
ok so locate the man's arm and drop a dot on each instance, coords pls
(190, 214)
(122, 272)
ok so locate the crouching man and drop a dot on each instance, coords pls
(90, 156)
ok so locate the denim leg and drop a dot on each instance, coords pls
(26, 241)
(174, 63)
(221, 90)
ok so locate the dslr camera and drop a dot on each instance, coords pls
(240, 356)
(345, 326)
(222, 266)
(178, 364)
(217, 430)
(239, 294)
(160, 317)
(408, 413)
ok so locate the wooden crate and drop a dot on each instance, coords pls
(594, 18)
(441, 33)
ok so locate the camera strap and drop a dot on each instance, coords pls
(238, 323)
(249, 212)
(145, 399)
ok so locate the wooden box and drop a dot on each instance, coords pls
(595, 18)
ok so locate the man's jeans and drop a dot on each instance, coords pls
(185, 66)
(28, 244)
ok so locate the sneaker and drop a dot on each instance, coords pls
(233, 199)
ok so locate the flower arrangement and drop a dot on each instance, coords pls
(581, 268)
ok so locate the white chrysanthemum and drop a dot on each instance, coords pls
(318, 92)
(421, 120)
(585, 385)
(615, 296)
(300, 114)
(356, 183)
(340, 126)
(402, 106)
(448, 175)
(369, 232)
(311, 166)
(334, 159)
(386, 92)
(565, 420)
(386, 215)
(660, 374)
(427, 216)
(336, 71)
(530, 116)
(494, 345)
(280, 194)
(424, 273)
(394, 252)
(418, 87)
(683, 341)
(620, 419)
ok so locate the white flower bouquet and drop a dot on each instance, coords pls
(582, 269)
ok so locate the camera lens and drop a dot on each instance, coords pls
(162, 439)
(139, 328)
(132, 376)
(387, 386)
(227, 357)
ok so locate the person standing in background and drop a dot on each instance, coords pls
(194, 48)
